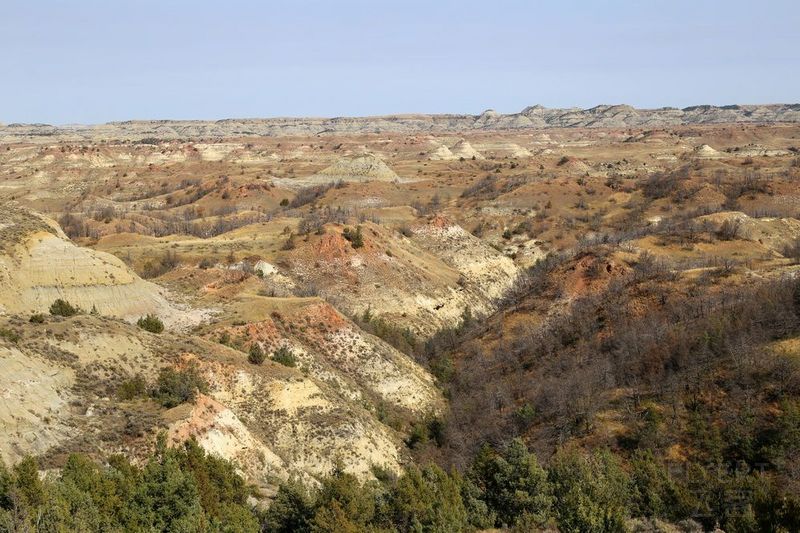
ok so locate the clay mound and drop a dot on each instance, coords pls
(704, 151)
(441, 153)
(709, 195)
(464, 149)
(39, 264)
(518, 151)
(359, 169)
(575, 165)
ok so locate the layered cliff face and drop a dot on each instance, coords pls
(39, 264)
(603, 116)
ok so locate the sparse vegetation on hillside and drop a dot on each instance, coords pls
(159, 267)
(310, 194)
(792, 251)
(175, 387)
(10, 335)
(284, 356)
(675, 359)
(613, 345)
(256, 354)
(354, 236)
(63, 308)
(135, 387)
(151, 323)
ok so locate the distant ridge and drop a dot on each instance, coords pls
(532, 117)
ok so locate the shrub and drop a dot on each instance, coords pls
(591, 492)
(406, 231)
(401, 338)
(175, 387)
(291, 510)
(256, 355)
(177, 489)
(225, 338)
(310, 194)
(151, 323)
(159, 267)
(284, 356)
(428, 500)
(483, 187)
(284, 202)
(10, 335)
(36, 318)
(655, 493)
(63, 308)
(354, 236)
(289, 244)
(513, 484)
(729, 230)
(134, 387)
(792, 251)
(315, 220)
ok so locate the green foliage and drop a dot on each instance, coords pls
(284, 356)
(175, 387)
(184, 489)
(428, 429)
(417, 436)
(151, 323)
(216, 479)
(27, 483)
(10, 335)
(524, 416)
(256, 354)
(354, 236)
(591, 492)
(428, 500)
(466, 320)
(655, 493)
(134, 387)
(291, 511)
(513, 484)
(176, 490)
(63, 308)
(36, 318)
(342, 504)
(442, 368)
(6, 486)
(401, 338)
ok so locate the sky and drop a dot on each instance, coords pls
(93, 61)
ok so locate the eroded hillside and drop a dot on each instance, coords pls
(367, 298)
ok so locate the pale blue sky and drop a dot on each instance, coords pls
(93, 61)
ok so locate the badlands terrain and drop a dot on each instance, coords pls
(604, 279)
